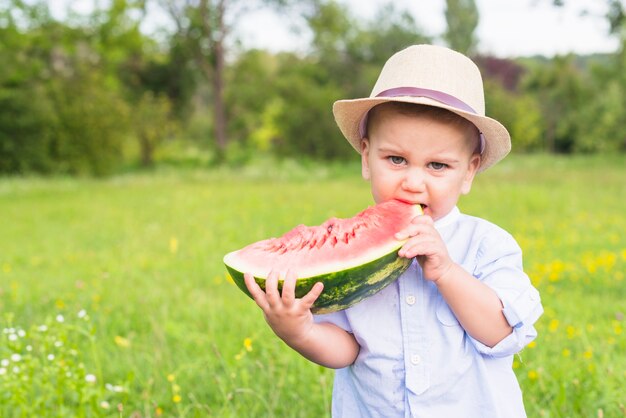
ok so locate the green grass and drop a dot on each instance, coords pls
(164, 332)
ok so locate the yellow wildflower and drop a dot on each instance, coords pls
(122, 342)
(554, 325)
(176, 398)
(571, 331)
(247, 343)
(173, 245)
(171, 377)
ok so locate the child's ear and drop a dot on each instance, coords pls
(365, 151)
(472, 169)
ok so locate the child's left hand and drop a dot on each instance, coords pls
(425, 243)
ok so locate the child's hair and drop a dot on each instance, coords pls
(437, 113)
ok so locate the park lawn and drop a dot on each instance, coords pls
(115, 301)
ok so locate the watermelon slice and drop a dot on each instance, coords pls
(354, 257)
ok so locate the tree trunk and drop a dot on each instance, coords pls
(146, 150)
(218, 85)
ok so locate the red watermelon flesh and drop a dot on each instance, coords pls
(335, 245)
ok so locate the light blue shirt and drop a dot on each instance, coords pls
(415, 358)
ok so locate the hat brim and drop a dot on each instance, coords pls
(349, 114)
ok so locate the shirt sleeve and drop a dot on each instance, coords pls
(499, 266)
(337, 318)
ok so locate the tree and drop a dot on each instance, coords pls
(560, 88)
(203, 31)
(462, 18)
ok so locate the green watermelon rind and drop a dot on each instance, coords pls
(343, 288)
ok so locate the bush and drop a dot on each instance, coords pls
(26, 118)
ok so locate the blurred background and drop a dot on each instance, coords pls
(102, 87)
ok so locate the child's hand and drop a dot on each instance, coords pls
(290, 318)
(426, 244)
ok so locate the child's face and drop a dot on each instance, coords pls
(419, 160)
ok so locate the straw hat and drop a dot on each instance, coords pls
(434, 76)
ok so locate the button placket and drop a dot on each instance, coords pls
(415, 335)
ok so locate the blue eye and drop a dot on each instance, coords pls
(395, 160)
(437, 166)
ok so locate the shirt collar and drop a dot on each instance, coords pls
(448, 219)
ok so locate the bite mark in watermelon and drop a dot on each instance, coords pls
(354, 258)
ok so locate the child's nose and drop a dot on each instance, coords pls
(414, 181)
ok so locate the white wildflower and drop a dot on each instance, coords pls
(12, 337)
(114, 388)
(3, 371)
(104, 405)
(60, 318)
(42, 328)
(4, 362)
(15, 357)
(82, 313)
(90, 378)
(50, 357)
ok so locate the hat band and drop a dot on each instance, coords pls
(437, 95)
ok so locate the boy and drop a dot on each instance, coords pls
(439, 341)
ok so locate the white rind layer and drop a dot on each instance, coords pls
(262, 272)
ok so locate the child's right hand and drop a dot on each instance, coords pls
(290, 318)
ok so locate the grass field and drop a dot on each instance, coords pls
(115, 302)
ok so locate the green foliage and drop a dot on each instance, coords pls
(93, 93)
(462, 18)
(90, 126)
(25, 129)
(561, 91)
(519, 113)
(152, 123)
(305, 117)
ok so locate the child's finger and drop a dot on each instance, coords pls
(255, 290)
(271, 289)
(414, 229)
(422, 219)
(289, 288)
(313, 294)
(409, 251)
(408, 232)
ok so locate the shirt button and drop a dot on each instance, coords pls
(410, 299)
(416, 359)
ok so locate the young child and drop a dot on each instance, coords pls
(438, 342)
